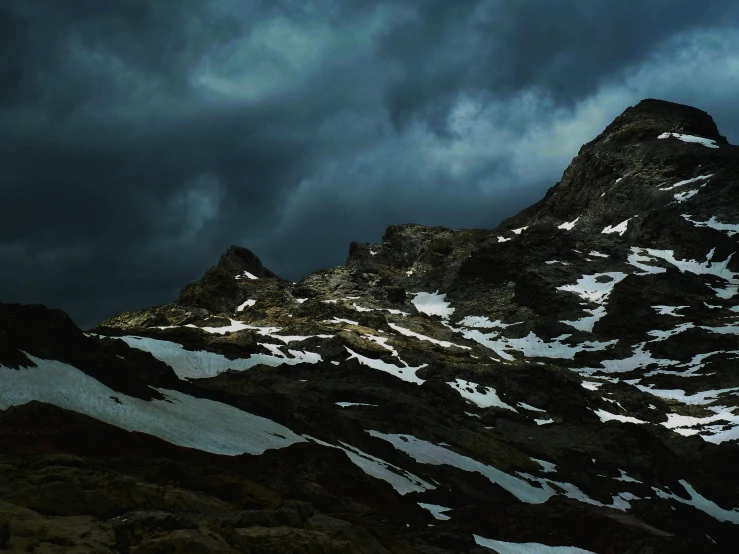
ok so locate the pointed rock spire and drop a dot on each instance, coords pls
(237, 260)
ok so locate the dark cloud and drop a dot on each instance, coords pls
(565, 47)
(142, 137)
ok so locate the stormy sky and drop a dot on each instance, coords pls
(140, 138)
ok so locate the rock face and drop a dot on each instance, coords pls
(566, 379)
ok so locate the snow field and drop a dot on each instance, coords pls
(503, 547)
(180, 419)
(189, 364)
(402, 481)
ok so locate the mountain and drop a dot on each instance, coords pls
(567, 379)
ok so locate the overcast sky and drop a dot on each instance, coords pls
(140, 138)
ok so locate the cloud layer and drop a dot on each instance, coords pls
(142, 137)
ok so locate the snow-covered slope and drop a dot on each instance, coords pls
(563, 383)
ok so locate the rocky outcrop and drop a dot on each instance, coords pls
(220, 291)
(626, 173)
(237, 260)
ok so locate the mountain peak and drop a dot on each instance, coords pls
(634, 168)
(654, 117)
(238, 259)
(224, 285)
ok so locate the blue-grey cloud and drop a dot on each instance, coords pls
(142, 137)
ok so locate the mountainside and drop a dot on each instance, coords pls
(567, 379)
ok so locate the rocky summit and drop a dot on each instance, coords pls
(566, 383)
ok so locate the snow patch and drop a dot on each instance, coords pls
(547, 467)
(687, 182)
(409, 333)
(234, 327)
(484, 322)
(593, 288)
(625, 478)
(432, 303)
(487, 399)
(701, 503)
(681, 197)
(429, 453)
(730, 229)
(690, 138)
(685, 425)
(637, 259)
(531, 345)
(436, 510)
(640, 358)
(503, 547)
(709, 267)
(596, 287)
(382, 341)
(339, 320)
(731, 329)
(404, 373)
(247, 304)
(587, 323)
(660, 335)
(620, 228)
(568, 225)
(530, 407)
(669, 310)
(400, 479)
(608, 416)
(698, 399)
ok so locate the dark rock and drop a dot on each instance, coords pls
(216, 292)
(396, 295)
(238, 259)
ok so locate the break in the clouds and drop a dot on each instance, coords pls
(140, 138)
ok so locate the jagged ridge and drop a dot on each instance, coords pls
(566, 378)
